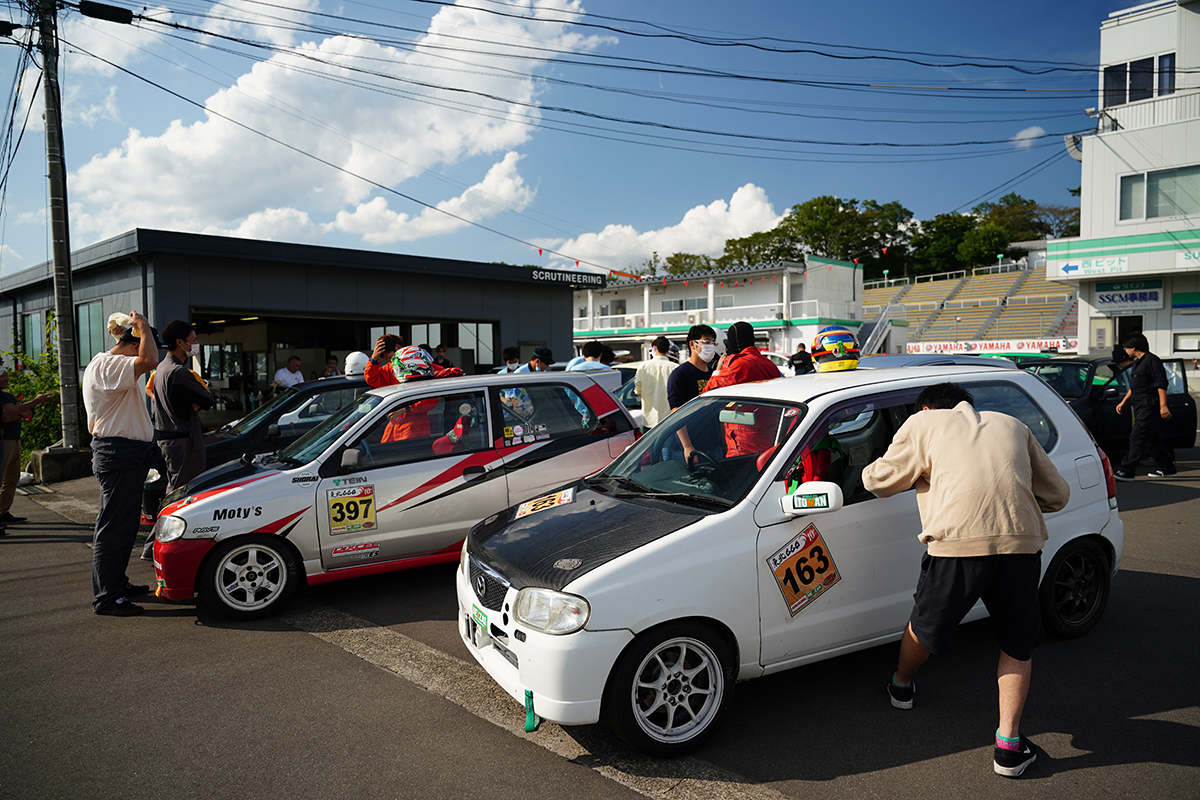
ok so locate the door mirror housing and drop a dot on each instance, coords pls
(814, 497)
(273, 431)
(351, 458)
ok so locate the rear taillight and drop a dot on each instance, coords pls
(1110, 480)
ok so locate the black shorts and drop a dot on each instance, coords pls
(1008, 585)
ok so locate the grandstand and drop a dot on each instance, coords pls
(969, 311)
(923, 299)
(1037, 308)
(876, 297)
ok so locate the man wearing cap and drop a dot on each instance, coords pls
(541, 361)
(742, 362)
(122, 451)
(11, 414)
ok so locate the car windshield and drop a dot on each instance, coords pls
(731, 442)
(289, 401)
(316, 441)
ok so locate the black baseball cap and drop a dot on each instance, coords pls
(543, 354)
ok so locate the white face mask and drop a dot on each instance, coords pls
(191, 351)
(707, 351)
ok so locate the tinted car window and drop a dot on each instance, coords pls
(537, 413)
(430, 427)
(1069, 380)
(1008, 398)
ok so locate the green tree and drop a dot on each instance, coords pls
(935, 247)
(35, 375)
(1061, 221)
(759, 249)
(1020, 216)
(982, 244)
(683, 263)
(848, 230)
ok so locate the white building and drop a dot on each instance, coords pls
(785, 304)
(1137, 259)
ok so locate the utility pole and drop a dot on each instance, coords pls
(56, 172)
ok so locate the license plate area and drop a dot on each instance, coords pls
(480, 637)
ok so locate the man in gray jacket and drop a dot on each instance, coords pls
(982, 482)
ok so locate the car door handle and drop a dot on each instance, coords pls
(473, 472)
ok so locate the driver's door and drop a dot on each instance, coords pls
(425, 472)
(832, 579)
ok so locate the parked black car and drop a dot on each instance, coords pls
(269, 427)
(1092, 385)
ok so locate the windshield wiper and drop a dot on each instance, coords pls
(698, 498)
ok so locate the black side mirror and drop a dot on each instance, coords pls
(273, 431)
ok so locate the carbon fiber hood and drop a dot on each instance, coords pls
(542, 548)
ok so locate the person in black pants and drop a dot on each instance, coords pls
(801, 362)
(1147, 396)
(122, 451)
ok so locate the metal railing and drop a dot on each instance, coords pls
(899, 310)
(973, 302)
(1038, 298)
(1143, 113)
(941, 276)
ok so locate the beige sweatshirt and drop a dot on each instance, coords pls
(982, 481)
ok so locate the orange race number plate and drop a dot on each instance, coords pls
(804, 569)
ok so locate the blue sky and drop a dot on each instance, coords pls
(464, 117)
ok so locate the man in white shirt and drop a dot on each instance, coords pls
(290, 375)
(650, 383)
(122, 452)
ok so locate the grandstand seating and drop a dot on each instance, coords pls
(922, 300)
(875, 299)
(1031, 310)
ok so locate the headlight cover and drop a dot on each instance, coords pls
(169, 528)
(551, 612)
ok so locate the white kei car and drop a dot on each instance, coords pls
(643, 593)
(393, 480)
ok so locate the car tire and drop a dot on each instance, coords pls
(249, 577)
(670, 689)
(1075, 589)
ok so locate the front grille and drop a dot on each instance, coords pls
(494, 587)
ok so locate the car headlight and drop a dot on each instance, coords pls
(551, 612)
(169, 528)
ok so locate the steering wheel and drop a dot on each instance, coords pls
(717, 472)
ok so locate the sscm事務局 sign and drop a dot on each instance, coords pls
(593, 280)
(1129, 295)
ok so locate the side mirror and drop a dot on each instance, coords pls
(1111, 391)
(814, 497)
(273, 430)
(351, 458)
(312, 410)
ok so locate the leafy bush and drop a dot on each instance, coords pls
(27, 378)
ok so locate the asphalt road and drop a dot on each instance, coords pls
(363, 689)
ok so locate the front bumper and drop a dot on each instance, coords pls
(176, 565)
(566, 674)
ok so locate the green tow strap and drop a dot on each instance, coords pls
(532, 720)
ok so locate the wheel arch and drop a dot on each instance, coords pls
(284, 542)
(723, 631)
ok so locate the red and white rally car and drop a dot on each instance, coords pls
(391, 481)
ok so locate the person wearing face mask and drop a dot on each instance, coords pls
(178, 397)
(685, 383)
(541, 361)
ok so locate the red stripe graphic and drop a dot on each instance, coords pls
(195, 498)
(278, 524)
(600, 400)
(474, 460)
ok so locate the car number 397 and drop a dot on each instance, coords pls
(350, 509)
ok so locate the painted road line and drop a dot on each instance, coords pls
(467, 685)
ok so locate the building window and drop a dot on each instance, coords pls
(672, 305)
(723, 301)
(90, 328)
(477, 337)
(33, 334)
(1139, 80)
(1165, 193)
(695, 303)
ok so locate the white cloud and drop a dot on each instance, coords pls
(1025, 138)
(501, 188)
(271, 23)
(10, 260)
(214, 175)
(120, 44)
(703, 231)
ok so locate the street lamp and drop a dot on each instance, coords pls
(885, 274)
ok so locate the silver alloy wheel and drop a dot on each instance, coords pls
(250, 577)
(677, 690)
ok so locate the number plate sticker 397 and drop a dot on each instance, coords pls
(351, 509)
(804, 569)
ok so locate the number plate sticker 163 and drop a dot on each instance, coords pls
(351, 509)
(804, 569)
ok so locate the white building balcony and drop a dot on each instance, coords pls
(1183, 105)
(720, 317)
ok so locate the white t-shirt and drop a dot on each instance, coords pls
(288, 378)
(113, 400)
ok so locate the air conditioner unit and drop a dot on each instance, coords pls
(630, 322)
(691, 319)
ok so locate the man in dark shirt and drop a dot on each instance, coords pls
(801, 362)
(685, 383)
(178, 396)
(1147, 396)
(11, 414)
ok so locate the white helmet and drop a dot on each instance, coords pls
(356, 363)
